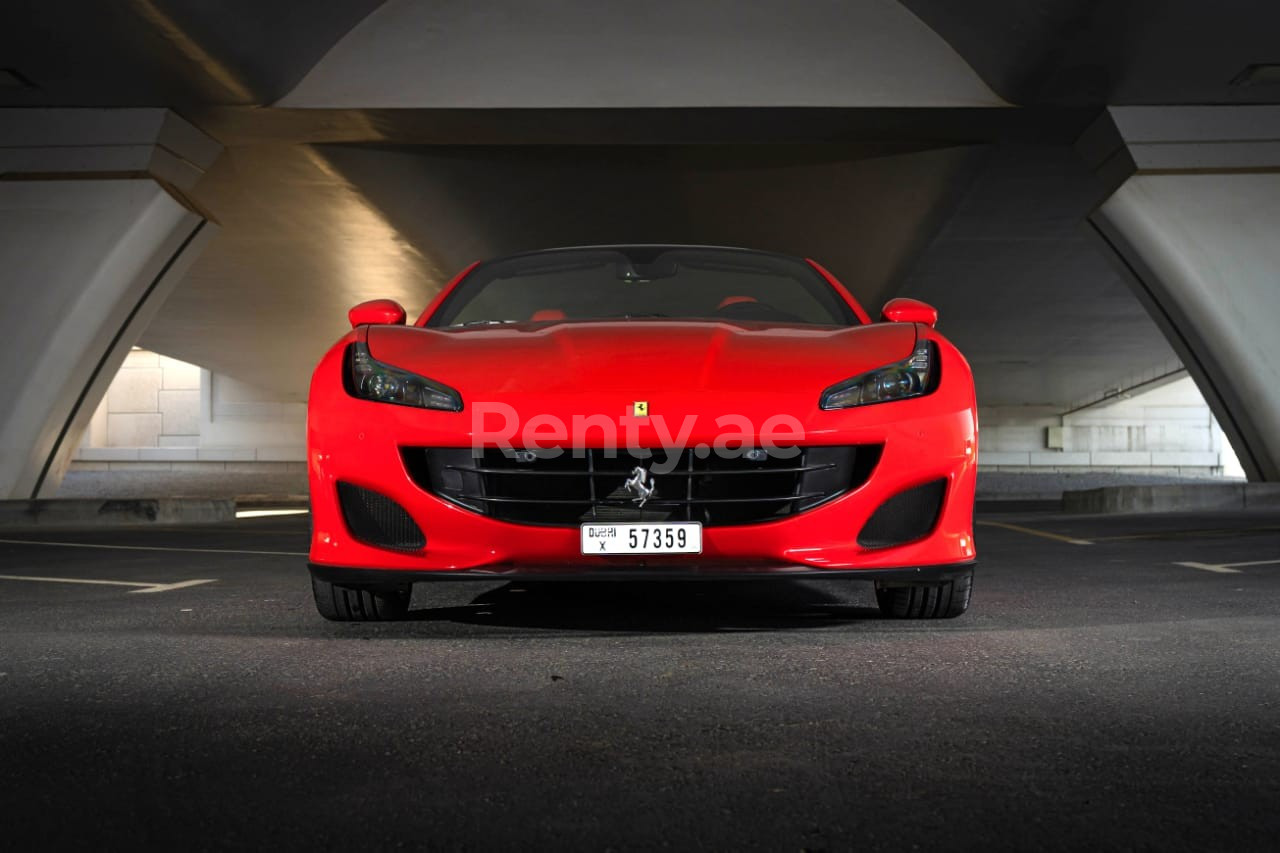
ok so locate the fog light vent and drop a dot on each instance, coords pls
(905, 516)
(376, 519)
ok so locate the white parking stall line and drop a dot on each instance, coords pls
(1252, 563)
(1209, 567)
(153, 548)
(166, 587)
(72, 580)
(1043, 534)
(1228, 568)
(139, 586)
(268, 513)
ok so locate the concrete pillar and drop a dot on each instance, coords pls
(95, 231)
(1192, 218)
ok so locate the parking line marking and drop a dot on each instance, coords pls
(1070, 540)
(71, 580)
(1255, 563)
(1210, 567)
(1229, 568)
(1190, 534)
(153, 548)
(140, 586)
(268, 513)
(166, 587)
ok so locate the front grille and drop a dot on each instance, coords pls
(905, 516)
(376, 519)
(571, 487)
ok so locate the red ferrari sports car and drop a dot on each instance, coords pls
(624, 412)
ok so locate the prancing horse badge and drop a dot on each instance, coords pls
(640, 409)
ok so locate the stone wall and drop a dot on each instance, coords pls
(1168, 430)
(161, 414)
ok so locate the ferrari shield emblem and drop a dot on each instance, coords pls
(640, 409)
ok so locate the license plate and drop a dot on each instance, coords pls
(683, 537)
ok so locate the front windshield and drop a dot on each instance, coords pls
(644, 282)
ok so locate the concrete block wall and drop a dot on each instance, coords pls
(1168, 430)
(161, 414)
(154, 401)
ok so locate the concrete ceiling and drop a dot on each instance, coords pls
(193, 53)
(1062, 52)
(509, 53)
(821, 125)
(170, 53)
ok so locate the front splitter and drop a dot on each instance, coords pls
(348, 576)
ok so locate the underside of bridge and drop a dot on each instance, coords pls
(218, 183)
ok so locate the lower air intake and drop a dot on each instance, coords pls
(376, 519)
(904, 517)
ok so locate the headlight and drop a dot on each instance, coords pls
(911, 378)
(373, 380)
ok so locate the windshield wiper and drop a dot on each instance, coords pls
(483, 323)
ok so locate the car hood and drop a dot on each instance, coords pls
(636, 355)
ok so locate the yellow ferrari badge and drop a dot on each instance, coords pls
(640, 409)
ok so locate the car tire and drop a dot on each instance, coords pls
(943, 600)
(361, 604)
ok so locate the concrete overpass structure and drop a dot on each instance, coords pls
(1086, 191)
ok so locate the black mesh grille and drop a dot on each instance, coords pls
(572, 487)
(904, 517)
(378, 520)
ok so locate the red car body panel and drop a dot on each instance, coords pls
(697, 369)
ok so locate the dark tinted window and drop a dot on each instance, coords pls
(643, 282)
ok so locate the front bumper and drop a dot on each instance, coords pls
(924, 439)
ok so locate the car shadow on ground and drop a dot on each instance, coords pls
(656, 606)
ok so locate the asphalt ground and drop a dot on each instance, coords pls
(1115, 685)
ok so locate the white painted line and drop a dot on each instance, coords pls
(1070, 540)
(72, 580)
(1209, 567)
(1189, 534)
(267, 513)
(141, 587)
(1253, 563)
(1228, 568)
(165, 587)
(153, 548)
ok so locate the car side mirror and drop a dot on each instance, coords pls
(910, 311)
(376, 312)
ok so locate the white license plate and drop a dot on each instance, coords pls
(683, 537)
